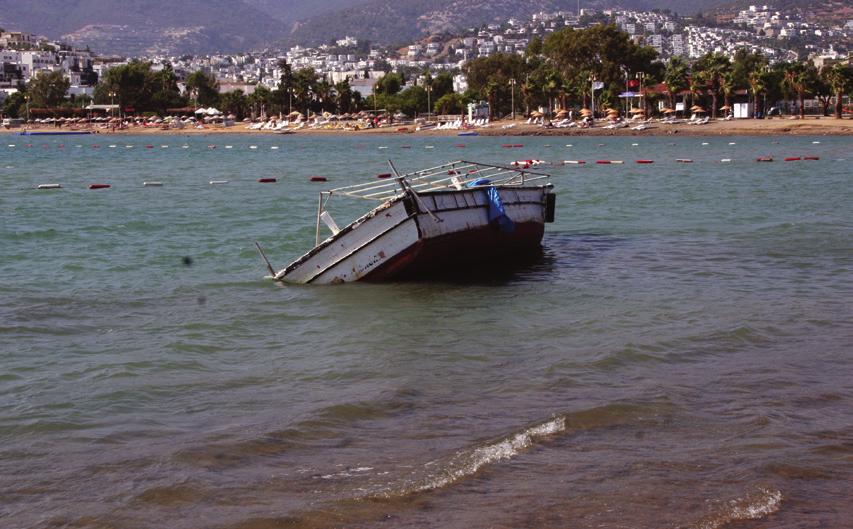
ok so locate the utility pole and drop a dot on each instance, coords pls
(512, 96)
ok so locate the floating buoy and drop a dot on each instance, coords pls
(185, 146)
(726, 160)
(732, 143)
(684, 160)
(149, 146)
(811, 157)
(99, 186)
(430, 147)
(574, 162)
(318, 179)
(383, 146)
(211, 146)
(507, 145)
(218, 182)
(164, 146)
(49, 186)
(93, 146)
(645, 161)
(635, 144)
(793, 159)
(517, 145)
(815, 143)
(267, 180)
(608, 162)
(405, 146)
(704, 143)
(229, 146)
(546, 146)
(253, 146)
(569, 145)
(764, 159)
(112, 146)
(11, 145)
(152, 184)
(460, 145)
(128, 146)
(274, 148)
(388, 175)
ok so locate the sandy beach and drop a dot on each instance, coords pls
(745, 127)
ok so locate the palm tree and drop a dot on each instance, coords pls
(840, 79)
(711, 69)
(799, 78)
(756, 86)
(675, 78)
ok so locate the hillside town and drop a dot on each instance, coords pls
(760, 30)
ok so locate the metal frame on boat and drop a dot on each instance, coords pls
(447, 218)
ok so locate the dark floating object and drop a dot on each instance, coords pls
(267, 180)
(318, 179)
(99, 186)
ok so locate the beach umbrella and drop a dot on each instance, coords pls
(698, 109)
(585, 112)
(637, 111)
(725, 107)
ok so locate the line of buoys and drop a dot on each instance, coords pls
(684, 160)
(49, 186)
(152, 184)
(267, 180)
(764, 159)
(385, 175)
(318, 179)
(99, 186)
(793, 159)
(645, 161)
(218, 182)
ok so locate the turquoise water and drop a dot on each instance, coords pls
(679, 357)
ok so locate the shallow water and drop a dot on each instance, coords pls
(679, 357)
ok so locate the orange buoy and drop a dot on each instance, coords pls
(793, 159)
(318, 179)
(267, 180)
(99, 186)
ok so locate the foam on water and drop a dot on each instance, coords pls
(752, 506)
(468, 462)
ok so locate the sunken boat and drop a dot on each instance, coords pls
(437, 221)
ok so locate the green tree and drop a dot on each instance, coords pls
(675, 78)
(234, 102)
(132, 84)
(441, 84)
(15, 105)
(839, 77)
(165, 91)
(304, 83)
(710, 70)
(203, 88)
(489, 77)
(389, 84)
(800, 78)
(450, 103)
(47, 89)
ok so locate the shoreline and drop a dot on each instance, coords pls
(747, 127)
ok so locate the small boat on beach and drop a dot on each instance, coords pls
(444, 220)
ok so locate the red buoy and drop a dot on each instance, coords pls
(645, 161)
(149, 146)
(811, 157)
(507, 145)
(793, 159)
(383, 175)
(517, 145)
(267, 180)
(99, 186)
(318, 179)
(460, 145)
(602, 162)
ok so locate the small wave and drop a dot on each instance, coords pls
(467, 463)
(752, 506)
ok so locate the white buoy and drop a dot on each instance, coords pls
(128, 146)
(185, 146)
(569, 145)
(732, 143)
(164, 146)
(634, 144)
(11, 145)
(274, 148)
(112, 146)
(815, 143)
(218, 182)
(726, 160)
(152, 184)
(49, 186)
(704, 143)
(253, 146)
(429, 147)
(383, 147)
(229, 146)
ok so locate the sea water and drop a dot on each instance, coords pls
(680, 355)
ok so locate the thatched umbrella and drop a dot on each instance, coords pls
(586, 112)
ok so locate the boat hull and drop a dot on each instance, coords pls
(400, 239)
